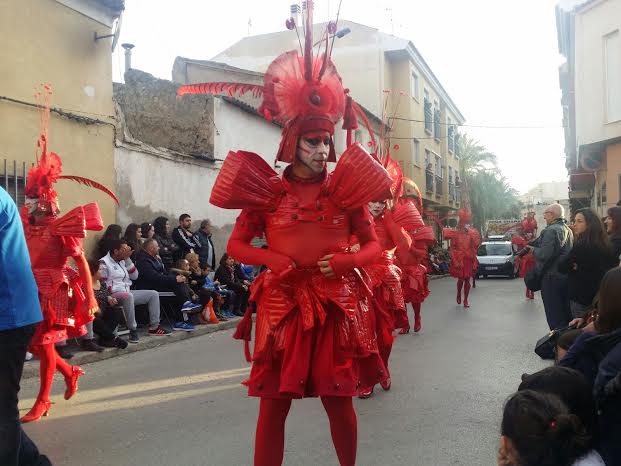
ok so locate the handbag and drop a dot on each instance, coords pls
(533, 278)
(545, 347)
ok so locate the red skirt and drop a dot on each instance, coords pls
(415, 283)
(462, 269)
(323, 346)
(526, 263)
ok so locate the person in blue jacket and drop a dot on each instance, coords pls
(19, 312)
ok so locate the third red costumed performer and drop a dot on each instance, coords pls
(527, 261)
(464, 242)
(314, 335)
(414, 281)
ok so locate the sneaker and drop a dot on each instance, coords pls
(158, 331)
(183, 327)
(64, 353)
(133, 336)
(88, 344)
(189, 306)
(28, 356)
(120, 343)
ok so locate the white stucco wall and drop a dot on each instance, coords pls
(591, 26)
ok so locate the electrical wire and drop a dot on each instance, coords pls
(480, 126)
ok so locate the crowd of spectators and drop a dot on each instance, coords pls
(170, 271)
(570, 413)
(439, 260)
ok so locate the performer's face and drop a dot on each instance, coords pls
(376, 208)
(312, 153)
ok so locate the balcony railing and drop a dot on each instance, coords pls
(439, 186)
(13, 179)
(428, 117)
(436, 124)
(429, 181)
(451, 139)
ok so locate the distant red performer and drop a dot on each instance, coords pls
(414, 281)
(51, 241)
(527, 262)
(314, 331)
(464, 242)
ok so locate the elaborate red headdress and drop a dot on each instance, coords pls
(39, 191)
(303, 92)
(529, 225)
(465, 216)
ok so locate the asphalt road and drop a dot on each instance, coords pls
(181, 404)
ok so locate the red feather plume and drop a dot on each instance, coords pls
(221, 88)
(92, 184)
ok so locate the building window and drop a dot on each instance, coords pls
(438, 167)
(13, 180)
(416, 152)
(612, 57)
(428, 113)
(436, 121)
(450, 133)
(414, 90)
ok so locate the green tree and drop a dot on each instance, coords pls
(490, 194)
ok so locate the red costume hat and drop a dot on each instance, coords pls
(303, 92)
(40, 192)
(465, 216)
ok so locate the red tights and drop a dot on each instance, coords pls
(270, 436)
(465, 283)
(50, 361)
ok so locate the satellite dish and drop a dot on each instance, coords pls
(115, 35)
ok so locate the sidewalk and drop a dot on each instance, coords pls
(31, 368)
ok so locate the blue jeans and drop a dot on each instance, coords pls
(555, 295)
(16, 448)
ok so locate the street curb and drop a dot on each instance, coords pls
(437, 277)
(31, 368)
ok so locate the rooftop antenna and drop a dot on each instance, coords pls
(115, 34)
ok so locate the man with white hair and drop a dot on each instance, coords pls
(555, 242)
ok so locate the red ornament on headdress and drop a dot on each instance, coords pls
(465, 216)
(39, 191)
(303, 92)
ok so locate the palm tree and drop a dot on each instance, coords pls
(474, 157)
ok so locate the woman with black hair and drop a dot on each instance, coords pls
(146, 231)
(168, 248)
(613, 228)
(538, 429)
(589, 259)
(132, 237)
(226, 276)
(112, 233)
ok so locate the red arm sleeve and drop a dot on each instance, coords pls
(397, 233)
(250, 224)
(370, 249)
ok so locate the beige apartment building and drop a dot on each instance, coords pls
(371, 62)
(589, 37)
(53, 41)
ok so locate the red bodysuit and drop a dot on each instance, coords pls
(314, 334)
(464, 243)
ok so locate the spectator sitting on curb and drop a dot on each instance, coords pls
(113, 233)
(168, 248)
(146, 232)
(227, 277)
(226, 300)
(185, 239)
(196, 280)
(207, 252)
(110, 313)
(153, 276)
(133, 238)
(118, 271)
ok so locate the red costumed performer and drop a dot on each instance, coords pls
(314, 335)
(527, 262)
(464, 242)
(51, 241)
(388, 303)
(414, 281)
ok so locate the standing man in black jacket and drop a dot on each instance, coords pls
(207, 252)
(186, 240)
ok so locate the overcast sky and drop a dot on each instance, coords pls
(497, 59)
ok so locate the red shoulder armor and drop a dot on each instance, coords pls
(92, 217)
(246, 181)
(408, 216)
(73, 223)
(358, 179)
(449, 233)
(425, 234)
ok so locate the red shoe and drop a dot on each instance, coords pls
(466, 303)
(366, 393)
(72, 383)
(386, 384)
(39, 409)
(404, 331)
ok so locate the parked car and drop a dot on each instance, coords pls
(497, 258)
(496, 238)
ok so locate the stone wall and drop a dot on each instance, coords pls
(156, 116)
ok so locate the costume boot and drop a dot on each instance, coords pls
(460, 284)
(47, 366)
(417, 319)
(466, 293)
